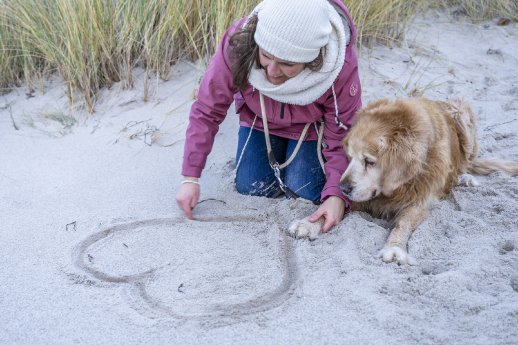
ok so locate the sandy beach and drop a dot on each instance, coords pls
(95, 251)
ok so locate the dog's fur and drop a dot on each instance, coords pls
(403, 155)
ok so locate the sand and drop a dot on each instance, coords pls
(95, 251)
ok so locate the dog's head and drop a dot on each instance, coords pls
(386, 147)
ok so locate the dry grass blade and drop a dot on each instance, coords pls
(479, 10)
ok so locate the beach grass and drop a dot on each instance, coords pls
(479, 10)
(381, 21)
(92, 44)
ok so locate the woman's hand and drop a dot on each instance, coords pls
(332, 210)
(188, 195)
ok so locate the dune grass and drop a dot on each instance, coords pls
(94, 43)
(479, 10)
(381, 21)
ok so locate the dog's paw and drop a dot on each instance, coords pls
(467, 180)
(301, 228)
(398, 254)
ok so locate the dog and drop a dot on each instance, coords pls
(403, 155)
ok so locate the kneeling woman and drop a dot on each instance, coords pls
(292, 70)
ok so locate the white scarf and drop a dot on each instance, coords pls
(308, 85)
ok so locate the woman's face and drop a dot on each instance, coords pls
(278, 71)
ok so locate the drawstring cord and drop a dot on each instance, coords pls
(320, 144)
(337, 120)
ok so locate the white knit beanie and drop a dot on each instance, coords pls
(293, 30)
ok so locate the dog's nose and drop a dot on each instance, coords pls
(346, 188)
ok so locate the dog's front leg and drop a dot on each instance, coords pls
(395, 248)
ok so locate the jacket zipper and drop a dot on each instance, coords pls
(282, 111)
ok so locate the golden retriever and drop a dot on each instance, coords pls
(404, 155)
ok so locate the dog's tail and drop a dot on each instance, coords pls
(487, 166)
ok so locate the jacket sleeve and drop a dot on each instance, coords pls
(214, 97)
(347, 88)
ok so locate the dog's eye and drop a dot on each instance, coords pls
(368, 162)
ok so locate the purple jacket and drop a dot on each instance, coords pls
(217, 92)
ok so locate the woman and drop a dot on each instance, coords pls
(292, 70)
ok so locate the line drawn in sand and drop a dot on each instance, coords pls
(215, 268)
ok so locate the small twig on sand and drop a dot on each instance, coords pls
(488, 128)
(12, 119)
(8, 106)
(173, 143)
(211, 199)
(180, 288)
(133, 123)
(148, 134)
(71, 226)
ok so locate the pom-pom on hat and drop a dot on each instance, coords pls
(293, 30)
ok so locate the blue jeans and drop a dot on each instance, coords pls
(254, 176)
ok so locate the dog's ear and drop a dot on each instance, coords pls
(402, 160)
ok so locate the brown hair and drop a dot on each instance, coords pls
(245, 53)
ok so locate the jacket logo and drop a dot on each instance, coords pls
(353, 90)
